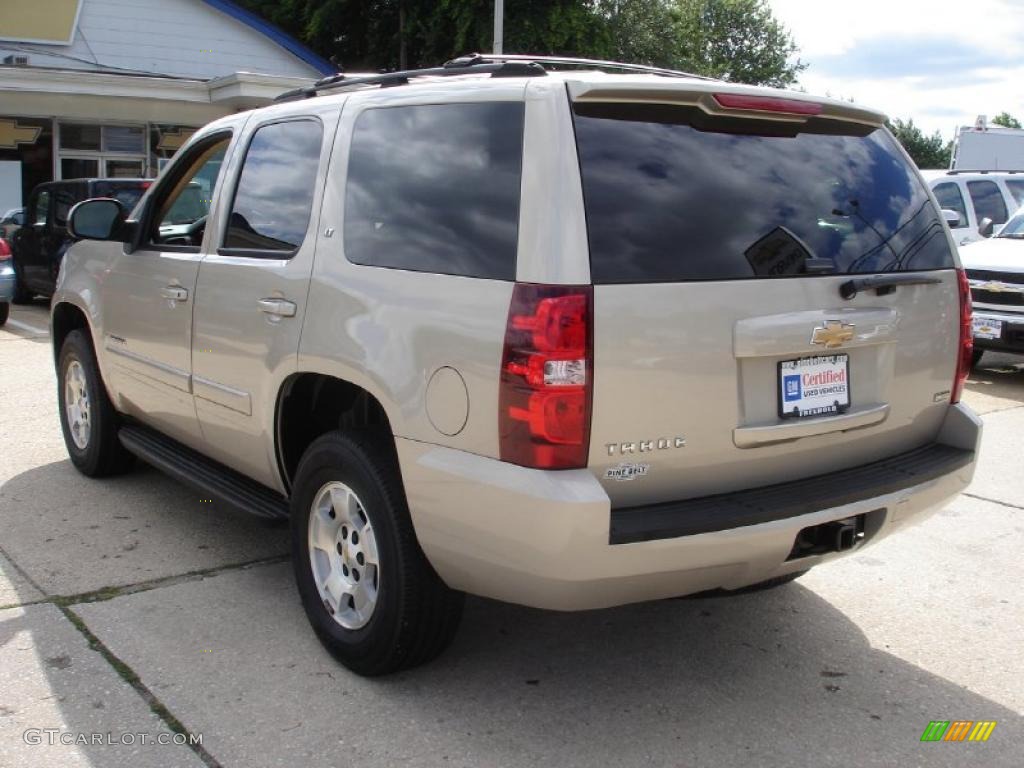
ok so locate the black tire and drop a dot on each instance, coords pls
(102, 453)
(976, 357)
(5, 311)
(416, 615)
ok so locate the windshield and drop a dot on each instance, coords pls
(1014, 228)
(672, 194)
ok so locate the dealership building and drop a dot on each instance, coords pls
(112, 88)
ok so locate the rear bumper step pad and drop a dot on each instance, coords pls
(754, 506)
(203, 474)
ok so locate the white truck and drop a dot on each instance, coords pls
(984, 148)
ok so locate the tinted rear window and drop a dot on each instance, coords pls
(435, 188)
(672, 194)
(127, 194)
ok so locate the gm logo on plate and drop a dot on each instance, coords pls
(792, 387)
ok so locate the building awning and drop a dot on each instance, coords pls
(108, 96)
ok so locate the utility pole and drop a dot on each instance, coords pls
(499, 25)
(402, 58)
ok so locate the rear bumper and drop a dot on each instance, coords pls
(544, 539)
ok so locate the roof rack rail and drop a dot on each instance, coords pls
(497, 65)
(474, 59)
(979, 171)
(385, 79)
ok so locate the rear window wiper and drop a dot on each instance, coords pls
(883, 283)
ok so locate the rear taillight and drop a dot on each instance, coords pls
(966, 344)
(5, 250)
(547, 377)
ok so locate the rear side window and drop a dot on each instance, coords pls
(435, 188)
(988, 201)
(672, 194)
(1016, 187)
(274, 197)
(952, 199)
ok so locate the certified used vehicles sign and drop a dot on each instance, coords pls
(814, 386)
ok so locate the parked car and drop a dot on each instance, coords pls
(6, 281)
(39, 245)
(995, 268)
(10, 222)
(993, 196)
(568, 339)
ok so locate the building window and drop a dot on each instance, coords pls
(124, 138)
(91, 150)
(80, 136)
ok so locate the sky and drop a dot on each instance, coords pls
(940, 62)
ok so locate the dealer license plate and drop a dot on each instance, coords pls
(987, 329)
(814, 386)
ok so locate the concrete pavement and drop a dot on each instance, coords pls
(186, 619)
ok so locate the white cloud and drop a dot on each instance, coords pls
(940, 62)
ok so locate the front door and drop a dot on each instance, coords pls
(251, 295)
(149, 294)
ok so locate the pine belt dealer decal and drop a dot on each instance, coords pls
(625, 472)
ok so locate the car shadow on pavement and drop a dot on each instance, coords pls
(775, 678)
(75, 535)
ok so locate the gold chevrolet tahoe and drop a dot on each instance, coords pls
(559, 333)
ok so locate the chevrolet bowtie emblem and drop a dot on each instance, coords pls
(832, 334)
(995, 286)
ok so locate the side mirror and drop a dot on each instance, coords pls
(102, 218)
(952, 218)
(985, 227)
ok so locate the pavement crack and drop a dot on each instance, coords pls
(994, 501)
(131, 677)
(109, 593)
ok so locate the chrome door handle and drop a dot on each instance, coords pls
(174, 293)
(279, 307)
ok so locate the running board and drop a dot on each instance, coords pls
(203, 474)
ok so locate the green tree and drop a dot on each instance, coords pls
(736, 40)
(926, 151)
(1006, 120)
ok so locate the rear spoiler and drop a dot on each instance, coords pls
(723, 99)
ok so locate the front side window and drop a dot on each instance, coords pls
(988, 201)
(183, 202)
(435, 188)
(274, 199)
(951, 199)
(673, 194)
(42, 207)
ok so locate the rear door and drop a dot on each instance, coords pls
(253, 283)
(726, 356)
